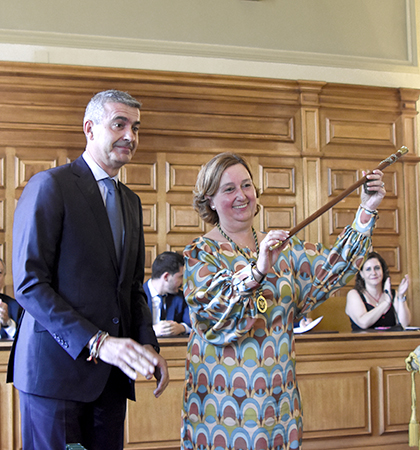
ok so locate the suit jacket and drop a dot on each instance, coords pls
(67, 280)
(15, 311)
(176, 306)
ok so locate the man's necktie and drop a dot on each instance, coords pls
(113, 208)
(162, 307)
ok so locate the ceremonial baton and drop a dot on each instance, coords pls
(385, 163)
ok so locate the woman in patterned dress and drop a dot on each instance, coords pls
(240, 390)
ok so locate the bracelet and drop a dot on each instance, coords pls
(402, 299)
(96, 345)
(369, 211)
(262, 275)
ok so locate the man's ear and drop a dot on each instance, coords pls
(88, 129)
(165, 276)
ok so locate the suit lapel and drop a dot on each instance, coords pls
(89, 189)
(148, 295)
(128, 226)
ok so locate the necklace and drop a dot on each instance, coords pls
(261, 301)
(376, 300)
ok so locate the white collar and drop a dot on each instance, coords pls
(96, 169)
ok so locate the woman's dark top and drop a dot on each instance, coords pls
(387, 320)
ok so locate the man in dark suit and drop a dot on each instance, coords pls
(169, 309)
(10, 310)
(87, 330)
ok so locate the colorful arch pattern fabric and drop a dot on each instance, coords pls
(240, 389)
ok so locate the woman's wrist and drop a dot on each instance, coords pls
(373, 212)
(365, 220)
(258, 275)
(402, 298)
(388, 300)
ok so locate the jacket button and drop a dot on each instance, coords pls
(116, 320)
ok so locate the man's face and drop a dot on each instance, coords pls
(113, 142)
(174, 282)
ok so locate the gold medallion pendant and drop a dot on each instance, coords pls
(261, 304)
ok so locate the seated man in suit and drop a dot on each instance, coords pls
(166, 300)
(10, 310)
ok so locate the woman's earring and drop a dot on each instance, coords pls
(213, 207)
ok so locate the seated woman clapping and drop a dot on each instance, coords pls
(372, 303)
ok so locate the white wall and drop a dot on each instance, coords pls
(372, 42)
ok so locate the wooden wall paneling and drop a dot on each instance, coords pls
(305, 141)
(156, 423)
(313, 199)
(309, 115)
(28, 165)
(193, 117)
(181, 218)
(394, 389)
(4, 202)
(141, 173)
(174, 104)
(360, 119)
(392, 256)
(183, 223)
(310, 138)
(211, 114)
(390, 232)
(406, 129)
(411, 244)
(149, 217)
(354, 396)
(329, 415)
(141, 176)
(14, 410)
(406, 135)
(343, 130)
(10, 437)
(337, 174)
(10, 199)
(151, 251)
(6, 407)
(280, 183)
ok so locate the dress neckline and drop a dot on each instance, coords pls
(241, 250)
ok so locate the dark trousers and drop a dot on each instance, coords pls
(48, 423)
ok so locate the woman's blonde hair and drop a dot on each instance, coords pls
(208, 182)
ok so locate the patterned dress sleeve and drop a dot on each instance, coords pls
(218, 287)
(319, 271)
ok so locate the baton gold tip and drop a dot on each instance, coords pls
(273, 247)
(403, 150)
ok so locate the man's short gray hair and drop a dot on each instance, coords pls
(95, 108)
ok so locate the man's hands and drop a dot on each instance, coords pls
(161, 372)
(4, 314)
(165, 328)
(131, 357)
